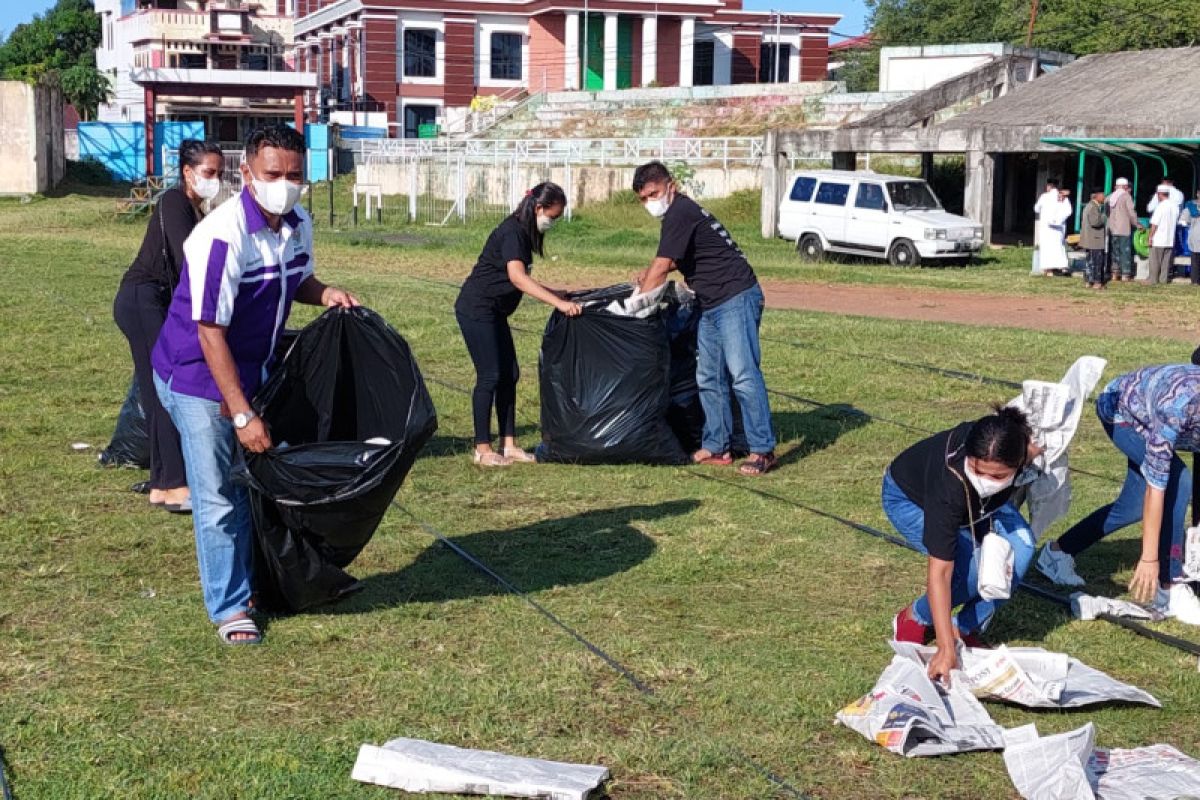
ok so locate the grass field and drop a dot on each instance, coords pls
(753, 622)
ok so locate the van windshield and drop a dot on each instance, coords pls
(912, 196)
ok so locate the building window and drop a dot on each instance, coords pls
(420, 53)
(415, 117)
(507, 50)
(766, 63)
(191, 61)
(703, 62)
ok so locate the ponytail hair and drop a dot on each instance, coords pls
(192, 153)
(1002, 436)
(546, 195)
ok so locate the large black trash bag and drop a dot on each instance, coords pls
(606, 386)
(130, 444)
(348, 413)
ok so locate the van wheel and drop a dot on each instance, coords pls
(810, 248)
(904, 254)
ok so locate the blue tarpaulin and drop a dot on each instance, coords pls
(121, 146)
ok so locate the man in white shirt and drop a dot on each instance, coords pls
(1162, 235)
(1173, 194)
(1052, 210)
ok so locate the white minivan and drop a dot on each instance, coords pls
(873, 215)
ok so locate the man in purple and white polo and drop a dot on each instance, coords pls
(244, 265)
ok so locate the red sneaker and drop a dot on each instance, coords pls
(907, 629)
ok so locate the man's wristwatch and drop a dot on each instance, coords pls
(242, 419)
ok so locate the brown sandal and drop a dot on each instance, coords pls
(758, 464)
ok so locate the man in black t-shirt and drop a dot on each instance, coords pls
(694, 242)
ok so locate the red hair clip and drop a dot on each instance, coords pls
(529, 192)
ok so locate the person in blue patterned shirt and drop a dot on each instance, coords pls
(1151, 415)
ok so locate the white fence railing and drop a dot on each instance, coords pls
(727, 152)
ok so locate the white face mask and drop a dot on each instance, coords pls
(986, 487)
(276, 197)
(545, 223)
(657, 208)
(206, 188)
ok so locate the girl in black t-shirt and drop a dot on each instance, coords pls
(945, 494)
(488, 298)
(140, 307)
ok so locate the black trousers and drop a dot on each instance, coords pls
(1195, 268)
(140, 310)
(490, 344)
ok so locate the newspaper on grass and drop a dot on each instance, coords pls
(1068, 766)
(426, 767)
(907, 714)
(1032, 677)
(1088, 607)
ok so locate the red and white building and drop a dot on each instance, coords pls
(405, 63)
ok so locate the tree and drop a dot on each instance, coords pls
(860, 69)
(60, 46)
(86, 88)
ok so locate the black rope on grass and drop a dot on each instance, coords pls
(4, 787)
(1185, 645)
(625, 672)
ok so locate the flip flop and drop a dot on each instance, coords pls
(519, 456)
(243, 625)
(178, 508)
(714, 460)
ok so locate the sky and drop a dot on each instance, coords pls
(14, 12)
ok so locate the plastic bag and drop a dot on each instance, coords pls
(130, 444)
(606, 386)
(348, 413)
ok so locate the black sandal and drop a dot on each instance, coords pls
(758, 464)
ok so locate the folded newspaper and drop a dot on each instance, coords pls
(1068, 766)
(1032, 677)
(911, 716)
(907, 714)
(1088, 607)
(425, 767)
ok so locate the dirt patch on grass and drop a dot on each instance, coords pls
(1066, 315)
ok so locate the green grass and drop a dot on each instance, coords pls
(753, 622)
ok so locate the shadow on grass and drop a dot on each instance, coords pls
(557, 552)
(802, 433)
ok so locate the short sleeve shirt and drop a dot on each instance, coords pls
(243, 276)
(1164, 218)
(711, 261)
(932, 474)
(488, 294)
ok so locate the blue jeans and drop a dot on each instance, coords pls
(976, 613)
(220, 508)
(1128, 507)
(727, 344)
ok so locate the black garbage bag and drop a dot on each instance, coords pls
(130, 443)
(348, 413)
(606, 387)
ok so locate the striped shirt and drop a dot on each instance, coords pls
(243, 276)
(1163, 405)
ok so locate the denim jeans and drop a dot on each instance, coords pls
(976, 613)
(220, 508)
(729, 356)
(1128, 507)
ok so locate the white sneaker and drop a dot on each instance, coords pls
(1059, 567)
(1179, 602)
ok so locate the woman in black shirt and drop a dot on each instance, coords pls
(944, 495)
(488, 298)
(141, 306)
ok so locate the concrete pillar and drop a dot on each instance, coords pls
(298, 109)
(774, 180)
(610, 52)
(571, 43)
(926, 166)
(723, 58)
(649, 50)
(687, 47)
(978, 191)
(845, 160)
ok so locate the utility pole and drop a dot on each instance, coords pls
(777, 48)
(1033, 12)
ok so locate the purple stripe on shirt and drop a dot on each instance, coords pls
(212, 280)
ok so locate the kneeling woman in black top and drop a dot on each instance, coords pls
(488, 298)
(944, 494)
(141, 306)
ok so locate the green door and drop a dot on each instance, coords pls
(624, 52)
(593, 53)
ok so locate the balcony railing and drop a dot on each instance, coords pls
(197, 26)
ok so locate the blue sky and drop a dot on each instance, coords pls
(14, 12)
